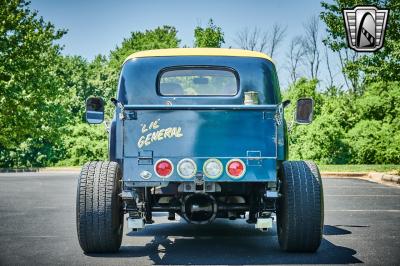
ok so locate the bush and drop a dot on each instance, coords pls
(322, 141)
(374, 142)
(32, 153)
(84, 143)
(348, 128)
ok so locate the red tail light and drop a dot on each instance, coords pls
(235, 168)
(164, 168)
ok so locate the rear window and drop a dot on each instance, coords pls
(198, 82)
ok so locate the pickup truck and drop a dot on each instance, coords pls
(199, 133)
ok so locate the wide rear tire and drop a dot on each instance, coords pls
(300, 210)
(99, 217)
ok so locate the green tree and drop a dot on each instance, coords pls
(210, 36)
(102, 80)
(348, 128)
(159, 38)
(375, 135)
(323, 140)
(31, 94)
(374, 142)
(82, 79)
(100, 77)
(302, 88)
(83, 143)
(74, 75)
(381, 101)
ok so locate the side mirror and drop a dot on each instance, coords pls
(94, 110)
(285, 103)
(304, 111)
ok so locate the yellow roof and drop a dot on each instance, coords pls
(198, 52)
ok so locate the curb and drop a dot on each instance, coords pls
(344, 174)
(372, 176)
(385, 177)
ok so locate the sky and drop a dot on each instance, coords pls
(96, 27)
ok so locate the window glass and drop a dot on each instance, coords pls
(198, 82)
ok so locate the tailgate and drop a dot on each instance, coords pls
(242, 132)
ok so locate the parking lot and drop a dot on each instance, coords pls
(37, 226)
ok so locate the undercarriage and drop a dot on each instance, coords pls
(200, 203)
(104, 198)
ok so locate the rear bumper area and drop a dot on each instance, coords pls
(258, 169)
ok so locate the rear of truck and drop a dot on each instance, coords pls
(223, 156)
(188, 143)
(198, 133)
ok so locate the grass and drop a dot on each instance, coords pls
(384, 168)
(61, 168)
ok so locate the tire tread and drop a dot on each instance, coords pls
(99, 218)
(300, 209)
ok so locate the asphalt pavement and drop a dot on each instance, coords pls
(37, 226)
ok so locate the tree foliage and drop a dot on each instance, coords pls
(348, 128)
(100, 77)
(84, 143)
(31, 95)
(210, 36)
(32, 112)
(159, 38)
(43, 93)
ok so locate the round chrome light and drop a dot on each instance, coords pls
(213, 168)
(235, 168)
(187, 168)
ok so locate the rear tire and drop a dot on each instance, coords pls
(99, 216)
(300, 210)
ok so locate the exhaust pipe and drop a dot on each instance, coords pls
(199, 208)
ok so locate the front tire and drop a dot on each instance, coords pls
(99, 216)
(300, 210)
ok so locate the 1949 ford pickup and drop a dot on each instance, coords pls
(199, 133)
